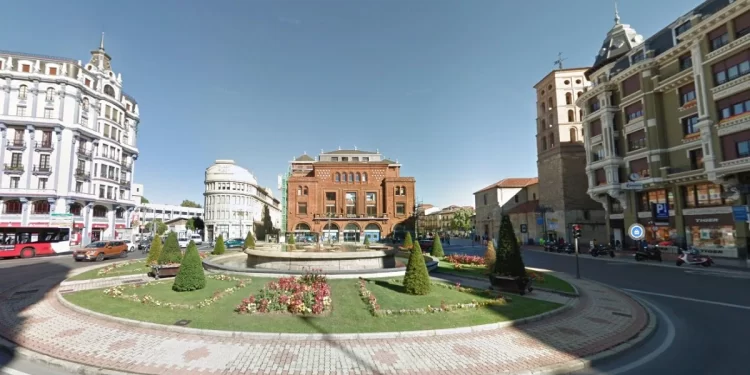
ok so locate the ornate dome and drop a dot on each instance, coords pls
(227, 170)
(620, 40)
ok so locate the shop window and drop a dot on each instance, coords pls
(704, 195)
(13, 207)
(647, 198)
(40, 208)
(712, 236)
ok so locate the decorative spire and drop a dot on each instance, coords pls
(617, 14)
(101, 44)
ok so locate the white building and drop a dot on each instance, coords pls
(147, 212)
(234, 201)
(68, 138)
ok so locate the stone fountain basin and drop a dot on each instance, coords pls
(326, 261)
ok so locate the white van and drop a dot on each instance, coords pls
(197, 239)
(184, 242)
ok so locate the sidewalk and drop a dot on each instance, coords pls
(599, 320)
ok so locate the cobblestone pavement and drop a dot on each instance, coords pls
(600, 319)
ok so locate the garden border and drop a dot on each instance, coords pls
(575, 294)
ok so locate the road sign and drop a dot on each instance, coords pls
(739, 213)
(637, 232)
(524, 228)
(661, 211)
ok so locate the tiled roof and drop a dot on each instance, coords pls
(512, 183)
(349, 152)
(525, 207)
(36, 56)
(304, 157)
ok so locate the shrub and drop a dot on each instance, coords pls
(190, 276)
(249, 241)
(408, 243)
(171, 253)
(220, 247)
(473, 260)
(490, 256)
(437, 248)
(367, 242)
(291, 241)
(509, 261)
(154, 252)
(416, 279)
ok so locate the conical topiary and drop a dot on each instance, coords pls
(249, 241)
(219, 247)
(437, 248)
(408, 243)
(291, 242)
(509, 261)
(171, 253)
(190, 276)
(154, 251)
(490, 257)
(417, 279)
(367, 242)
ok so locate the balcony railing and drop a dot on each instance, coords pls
(44, 146)
(125, 183)
(83, 153)
(81, 174)
(16, 144)
(126, 166)
(13, 169)
(636, 144)
(42, 170)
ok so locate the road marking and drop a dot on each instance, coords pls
(720, 274)
(690, 299)
(668, 341)
(10, 371)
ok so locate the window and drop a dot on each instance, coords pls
(484, 196)
(682, 28)
(15, 160)
(357, 177)
(50, 94)
(690, 125)
(743, 149)
(365, 158)
(44, 161)
(12, 207)
(26, 68)
(731, 68)
(304, 190)
(544, 143)
(397, 190)
(734, 105)
(87, 82)
(634, 111)
(343, 177)
(515, 198)
(647, 198)
(120, 213)
(344, 158)
(552, 140)
(48, 113)
(20, 110)
(52, 71)
(330, 196)
(742, 25)
(567, 82)
(75, 209)
(686, 62)
(109, 90)
(351, 204)
(400, 209)
(718, 38)
(639, 56)
(568, 98)
(403, 190)
(351, 177)
(571, 116)
(594, 105)
(370, 200)
(631, 85)
(79, 187)
(100, 211)
(573, 135)
(703, 195)
(22, 92)
(601, 176)
(696, 158)
(364, 177)
(687, 94)
(42, 184)
(85, 104)
(637, 140)
(40, 207)
(14, 181)
(302, 208)
(580, 114)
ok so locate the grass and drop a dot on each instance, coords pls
(550, 281)
(349, 313)
(134, 268)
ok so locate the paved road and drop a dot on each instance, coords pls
(20, 271)
(706, 310)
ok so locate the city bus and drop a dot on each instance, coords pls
(28, 242)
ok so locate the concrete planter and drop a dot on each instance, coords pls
(511, 284)
(160, 271)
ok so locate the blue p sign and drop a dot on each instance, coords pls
(662, 211)
(636, 231)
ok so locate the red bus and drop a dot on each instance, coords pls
(28, 242)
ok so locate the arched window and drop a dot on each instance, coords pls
(357, 177)
(120, 213)
(109, 90)
(343, 177)
(398, 191)
(544, 143)
(573, 135)
(580, 93)
(100, 211)
(299, 190)
(403, 190)
(304, 190)
(302, 227)
(542, 107)
(544, 124)
(351, 177)
(50, 94)
(13, 207)
(551, 140)
(85, 104)
(550, 120)
(580, 114)
(571, 116)
(75, 209)
(22, 92)
(40, 207)
(568, 98)
(338, 177)
(364, 177)
(549, 102)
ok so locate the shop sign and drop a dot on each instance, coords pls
(712, 220)
(61, 220)
(119, 226)
(100, 226)
(739, 213)
(633, 186)
(9, 224)
(39, 224)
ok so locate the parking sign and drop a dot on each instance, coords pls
(637, 232)
(661, 212)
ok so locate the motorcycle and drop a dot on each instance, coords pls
(550, 248)
(694, 257)
(648, 253)
(601, 250)
(567, 248)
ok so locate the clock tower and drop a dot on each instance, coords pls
(100, 58)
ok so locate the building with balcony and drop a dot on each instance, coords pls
(667, 125)
(67, 143)
(234, 201)
(561, 160)
(349, 195)
(506, 197)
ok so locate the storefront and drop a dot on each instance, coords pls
(712, 234)
(97, 230)
(657, 233)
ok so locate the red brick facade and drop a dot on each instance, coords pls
(384, 199)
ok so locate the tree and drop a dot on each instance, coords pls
(154, 252)
(461, 220)
(190, 225)
(367, 242)
(190, 276)
(291, 241)
(144, 200)
(266, 226)
(509, 261)
(249, 241)
(437, 247)
(199, 224)
(490, 256)
(171, 253)
(417, 279)
(408, 243)
(220, 247)
(189, 203)
(161, 228)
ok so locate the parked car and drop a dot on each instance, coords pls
(101, 250)
(131, 246)
(197, 239)
(234, 243)
(144, 244)
(425, 245)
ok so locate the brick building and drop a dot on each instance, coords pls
(347, 195)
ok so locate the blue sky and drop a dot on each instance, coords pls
(443, 86)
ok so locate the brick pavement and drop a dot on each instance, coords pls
(600, 319)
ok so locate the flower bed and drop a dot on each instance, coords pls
(372, 303)
(472, 260)
(114, 266)
(120, 292)
(307, 294)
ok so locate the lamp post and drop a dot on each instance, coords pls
(329, 215)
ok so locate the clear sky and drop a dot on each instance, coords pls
(444, 86)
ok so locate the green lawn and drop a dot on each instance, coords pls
(550, 281)
(349, 313)
(136, 267)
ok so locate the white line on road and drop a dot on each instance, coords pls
(690, 299)
(10, 371)
(661, 349)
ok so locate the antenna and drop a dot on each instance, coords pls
(559, 61)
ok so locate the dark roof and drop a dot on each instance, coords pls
(349, 152)
(304, 157)
(512, 183)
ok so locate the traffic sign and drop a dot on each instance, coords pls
(524, 228)
(637, 232)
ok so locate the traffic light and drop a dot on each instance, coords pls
(576, 231)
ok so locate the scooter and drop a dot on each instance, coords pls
(567, 248)
(601, 250)
(648, 253)
(550, 247)
(694, 257)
